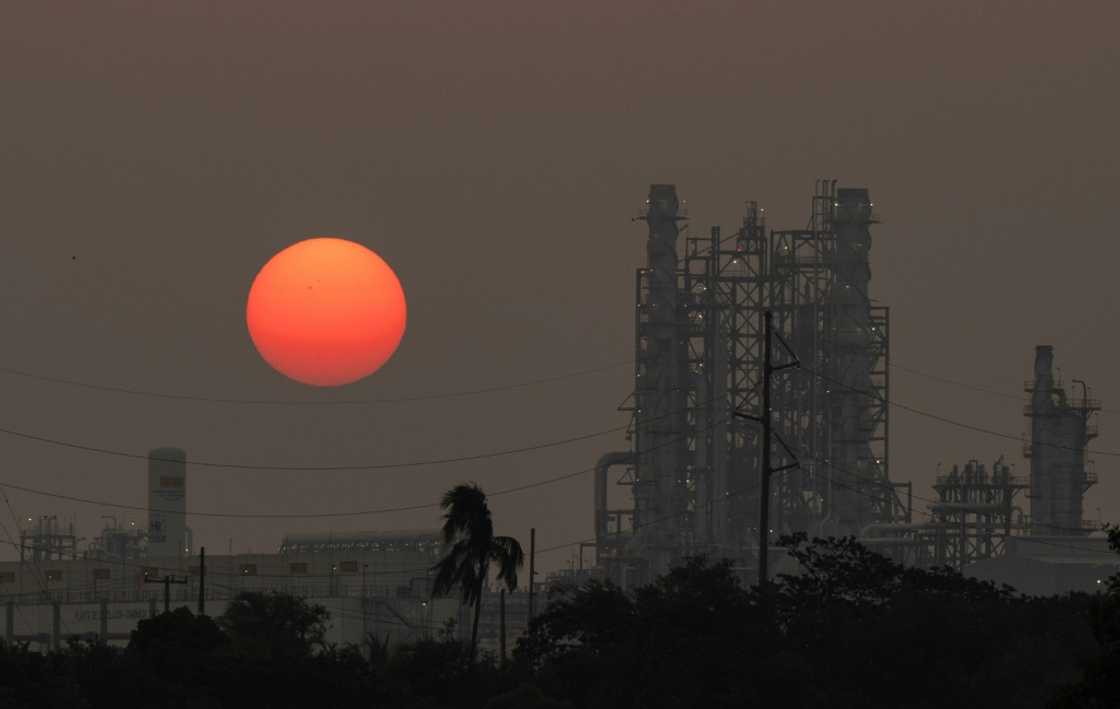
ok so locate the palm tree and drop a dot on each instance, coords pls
(468, 533)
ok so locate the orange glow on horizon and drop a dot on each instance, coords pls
(326, 312)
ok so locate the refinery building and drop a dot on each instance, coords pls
(373, 583)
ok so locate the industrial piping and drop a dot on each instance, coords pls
(602, 467)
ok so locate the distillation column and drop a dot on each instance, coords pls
(851, 362)
(660, 494)
(1060, 435)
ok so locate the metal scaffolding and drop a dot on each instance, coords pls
(47, 540)
(694, 465)
(973, 517)
(975, 512)
(834, 410)
(728, 281)
(693, 468)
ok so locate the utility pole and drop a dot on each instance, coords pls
(202, 581)
(766, 419)
(166, 581)
(365, 603)
(532, 567)
(502, 623)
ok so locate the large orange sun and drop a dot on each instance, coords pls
(326, 312)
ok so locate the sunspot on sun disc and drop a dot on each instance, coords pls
(326, 312)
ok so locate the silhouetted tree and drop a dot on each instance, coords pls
(173, 654)
(1098, 687)
(468, 532)
(866, 629)
(853, 628)
(690, 639)
(274, 625)
(176, 634)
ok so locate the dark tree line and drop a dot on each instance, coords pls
(852, 629)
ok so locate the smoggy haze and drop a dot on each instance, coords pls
(151, 160)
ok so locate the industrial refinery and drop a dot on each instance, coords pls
(736, 334)
(733, 329)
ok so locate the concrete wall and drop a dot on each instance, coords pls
(400, 573)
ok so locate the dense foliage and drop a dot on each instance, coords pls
(852, 630)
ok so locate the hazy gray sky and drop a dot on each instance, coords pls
(493, 153)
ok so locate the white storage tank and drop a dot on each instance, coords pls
(167, 503)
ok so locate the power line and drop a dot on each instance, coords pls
(154, 394)
(312, 468)
(325, 515)
(950, 421)
(990, 432)
(458, 394)
(954, 382)
(291, 515)
(129, 391)
(973, 387)
(316, 468)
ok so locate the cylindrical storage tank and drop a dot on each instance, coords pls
(167, 502)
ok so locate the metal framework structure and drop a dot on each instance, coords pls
(693, 468)
(47, 541)
(833, 411)
(973, 517)
(974, 513)
(727, 283)
(694, 465)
